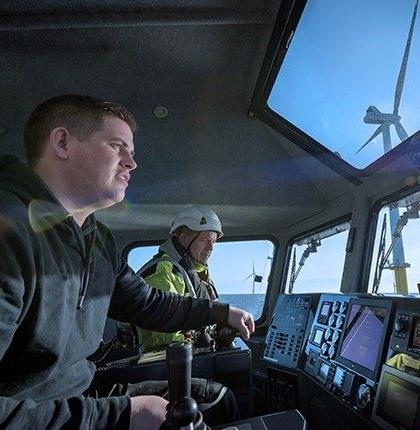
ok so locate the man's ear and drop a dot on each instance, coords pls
(59, 137)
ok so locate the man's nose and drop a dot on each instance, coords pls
(128, 162)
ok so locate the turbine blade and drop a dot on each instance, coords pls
(402, 134)
(403, 69)
(248, 277)
(377, 131)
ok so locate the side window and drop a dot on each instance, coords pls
(317, 261)
(141, 255)
(395, 264)
(239, 270)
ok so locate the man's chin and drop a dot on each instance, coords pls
(111, 199)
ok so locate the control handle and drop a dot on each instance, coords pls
(182, 409)
(400, 324)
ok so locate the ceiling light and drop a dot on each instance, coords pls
(160, 112)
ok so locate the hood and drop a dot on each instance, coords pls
(18, 178)
(44, 209)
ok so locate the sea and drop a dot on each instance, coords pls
(252, 303)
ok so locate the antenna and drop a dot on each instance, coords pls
(385, 120)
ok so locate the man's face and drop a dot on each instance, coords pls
(202, 246)
(101, 163)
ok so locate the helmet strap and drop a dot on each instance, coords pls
(192, 241)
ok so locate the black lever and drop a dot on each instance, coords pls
(182, 408)
(225, 335)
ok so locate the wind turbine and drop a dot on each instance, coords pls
(385, 120)
(255, 278)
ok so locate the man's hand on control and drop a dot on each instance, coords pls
(147, 412)
(242, 320)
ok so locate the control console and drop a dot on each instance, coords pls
(345, 348)
(405, 337)
(286, 333)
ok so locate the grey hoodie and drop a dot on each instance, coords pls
(58, 282)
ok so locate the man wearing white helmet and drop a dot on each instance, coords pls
(181, 264)
(180, 267)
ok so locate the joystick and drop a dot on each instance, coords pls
(182, 409)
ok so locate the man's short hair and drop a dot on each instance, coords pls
(81, 115)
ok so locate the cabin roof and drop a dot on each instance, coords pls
(200, 60)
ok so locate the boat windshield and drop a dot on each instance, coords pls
(349, 77)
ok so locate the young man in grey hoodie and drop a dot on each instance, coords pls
(61, 273)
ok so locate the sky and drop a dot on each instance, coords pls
(344, 57)
(229, 265)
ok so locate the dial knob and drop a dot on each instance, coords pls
(400, 324)
(343, 307)
(328, 334)
(331, 351)
(364, 396)
(336, 306)
(324, 348)
(335, 336)
(340, 321)
(331, 320)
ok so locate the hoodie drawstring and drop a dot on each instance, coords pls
(86, 266)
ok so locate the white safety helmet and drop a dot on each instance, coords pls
(198, 218)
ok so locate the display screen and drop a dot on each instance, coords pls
(398, 399)
(325, 310)
(363, 335)
(415, 340)
(323, 371)
(318, 336)
(338, 376)
(397, 402)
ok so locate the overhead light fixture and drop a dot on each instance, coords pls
(160, 112)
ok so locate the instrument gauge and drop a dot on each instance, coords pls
(331, 351)
(343, 307)
(328, 334)
(340, 321)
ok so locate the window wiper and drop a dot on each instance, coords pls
(380, 260)
(312, 247)
(411, 213)
(312, 242)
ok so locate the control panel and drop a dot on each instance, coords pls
(405, 337)
(323, 341)
(363, 349)
(328, 325)
(286, 333)
(346, 346)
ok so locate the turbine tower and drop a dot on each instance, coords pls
(255, 278)
(385, 120)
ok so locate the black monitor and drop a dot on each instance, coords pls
(414, 343)
(362, 343)
(397, 402)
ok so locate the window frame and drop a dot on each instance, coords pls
(225, 239)
(306, 233)
(367, 258)
(287, 21)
